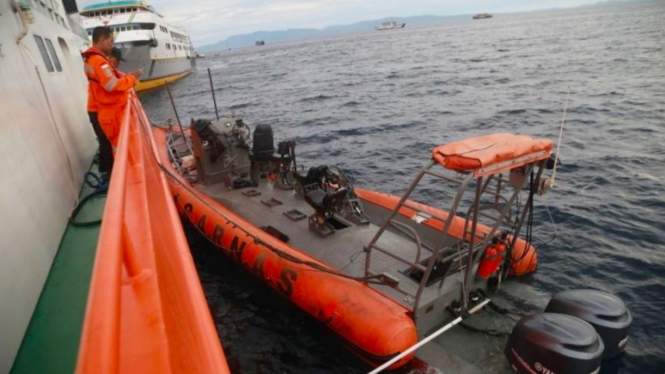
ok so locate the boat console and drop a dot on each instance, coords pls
(221, 150)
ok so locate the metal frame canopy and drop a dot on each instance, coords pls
(477, 162)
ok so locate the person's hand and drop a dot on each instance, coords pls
(137, 73)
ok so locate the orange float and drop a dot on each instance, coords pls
(525, 259)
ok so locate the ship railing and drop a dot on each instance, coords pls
(146, 310)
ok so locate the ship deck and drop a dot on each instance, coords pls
(51, 342)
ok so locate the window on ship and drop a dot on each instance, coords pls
(53, 55)
(42, 51)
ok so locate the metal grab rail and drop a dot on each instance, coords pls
(145, 306)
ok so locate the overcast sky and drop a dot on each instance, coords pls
(209, 21)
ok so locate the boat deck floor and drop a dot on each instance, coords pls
(51, 342)
(342, 250)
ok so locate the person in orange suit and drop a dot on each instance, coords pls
(107, 86)
(105, 150)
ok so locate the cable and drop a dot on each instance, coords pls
(556, 230)
(72, 218)
(282, 254)
(276, 251)
(529, 222)
(100, 187)
(352, 259)
(558, 146)
(54, 122)
(490, 332)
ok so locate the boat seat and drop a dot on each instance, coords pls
(325, 205)
(325, 202)
(313, 180)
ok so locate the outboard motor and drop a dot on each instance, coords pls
(605, 312)
(263, 145)
(554, 343)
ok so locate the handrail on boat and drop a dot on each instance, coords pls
(146, 310)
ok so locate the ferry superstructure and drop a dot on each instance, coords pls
(146, 39)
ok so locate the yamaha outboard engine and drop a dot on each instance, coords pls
(605, 312)
(554, 343)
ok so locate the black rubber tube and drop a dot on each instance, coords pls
(72, 218)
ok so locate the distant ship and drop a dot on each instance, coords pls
(259, 43)
(389, 25)
(146, 40)
(482, 16)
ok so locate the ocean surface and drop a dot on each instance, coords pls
(376, 103)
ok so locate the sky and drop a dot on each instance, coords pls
(209, 21)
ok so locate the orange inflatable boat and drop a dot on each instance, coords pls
(372, 325)
(378, 270)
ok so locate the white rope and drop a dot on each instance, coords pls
(558, 145)
(428, 339)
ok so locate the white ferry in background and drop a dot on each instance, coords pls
(391, 25)
(147, 41)
(482, 16)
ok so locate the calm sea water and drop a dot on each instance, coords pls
(376, 103)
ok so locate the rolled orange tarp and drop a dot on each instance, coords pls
(489, 150)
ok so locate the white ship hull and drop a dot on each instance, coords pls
(139, 58)
(47, 144)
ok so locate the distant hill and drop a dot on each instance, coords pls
(269, 37)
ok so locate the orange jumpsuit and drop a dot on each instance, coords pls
(109, 89)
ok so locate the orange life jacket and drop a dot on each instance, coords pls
(106, 86)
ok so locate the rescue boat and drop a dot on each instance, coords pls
(381, 271)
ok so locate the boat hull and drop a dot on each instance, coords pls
(155, 70)
(376, 327)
